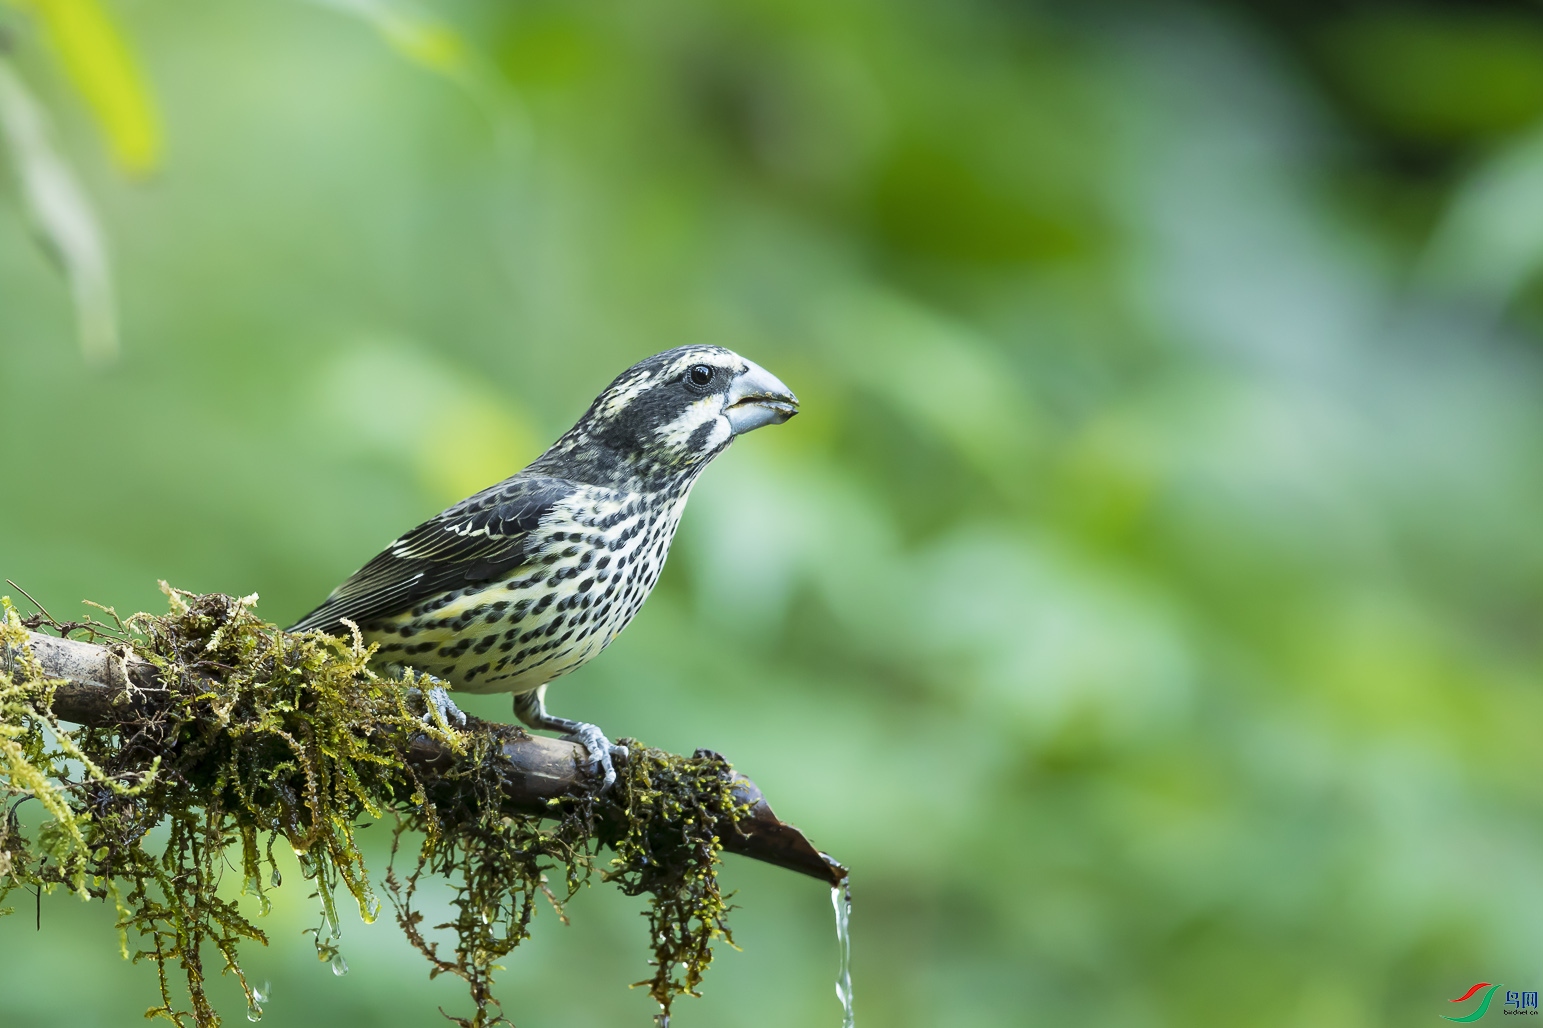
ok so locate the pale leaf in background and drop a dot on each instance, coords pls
(61, 215)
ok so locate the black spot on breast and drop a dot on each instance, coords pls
(460, 647)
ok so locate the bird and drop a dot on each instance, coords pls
(531, 578)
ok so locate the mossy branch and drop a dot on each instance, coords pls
(233, 733)
(95, 680)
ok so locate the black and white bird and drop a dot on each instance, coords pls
(530, 578)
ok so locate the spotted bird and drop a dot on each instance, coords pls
(534, 576)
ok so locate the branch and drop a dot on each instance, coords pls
(97, 681)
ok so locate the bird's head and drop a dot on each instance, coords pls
(675, 411)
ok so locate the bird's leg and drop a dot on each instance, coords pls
(530, 708)
(437, 701)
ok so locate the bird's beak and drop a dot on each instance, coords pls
(757, 397)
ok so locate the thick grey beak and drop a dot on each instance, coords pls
(756, 398)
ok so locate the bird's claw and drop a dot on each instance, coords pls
(599, 751)
(439, 706)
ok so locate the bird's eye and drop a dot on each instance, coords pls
(701, 374)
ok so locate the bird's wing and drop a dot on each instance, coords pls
(481, 538)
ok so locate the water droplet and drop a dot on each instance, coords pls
(841, 899)
(661, 1019)
(339, 965)
(277, 879)
(254, 1005)
(264, 905)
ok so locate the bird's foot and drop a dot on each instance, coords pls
(438, 706)
(600, 752)
(600, 755)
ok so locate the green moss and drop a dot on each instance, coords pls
(269, 737)
(669, 849)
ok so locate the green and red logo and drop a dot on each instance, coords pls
(1525, 1003)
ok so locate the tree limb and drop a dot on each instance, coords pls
(100, 684)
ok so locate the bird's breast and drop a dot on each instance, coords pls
(589, 567)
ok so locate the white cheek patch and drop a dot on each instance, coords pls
(677, 434)
(720, 434)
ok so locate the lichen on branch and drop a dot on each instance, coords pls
(251, 737)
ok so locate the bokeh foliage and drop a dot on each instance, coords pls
(1146, 604)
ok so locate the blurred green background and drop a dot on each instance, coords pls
(1146, 604)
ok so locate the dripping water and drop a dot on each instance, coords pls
(841, 899)
(254, 1007)
(253, 887)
